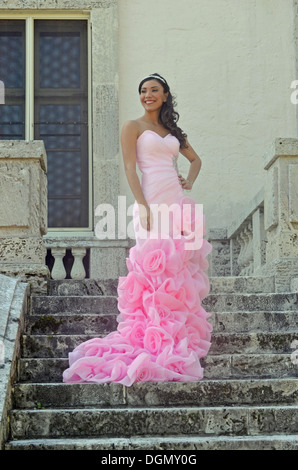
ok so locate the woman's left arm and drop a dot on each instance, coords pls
(195, 166)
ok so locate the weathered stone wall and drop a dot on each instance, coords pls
(231, 64)
(23, 210)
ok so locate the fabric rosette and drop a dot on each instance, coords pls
(156, 259)
(131, 289)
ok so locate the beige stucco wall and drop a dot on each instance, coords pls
(231, 64)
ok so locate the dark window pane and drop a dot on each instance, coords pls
(61, 115)
(60, 142)
(60, 120)
(65, 213)
(64, 174)
(12, 74)
(59, 123)
(59, 60)
(12, 59)
(11, 122)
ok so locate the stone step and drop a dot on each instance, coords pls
(49, 305)
(251, 302)
(262, 442)
(204, 393)
(46, 305)
(238, 322)
(187, 421)
(72, 324)
(225, 366)
(109, 287)
(244, 284)
(248, 398)
(222, 343)
(84, 287)
(255, 321)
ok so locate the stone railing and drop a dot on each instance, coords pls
(263, 240)
(68, 262)
(85, 257)
(13, 310)
(248, 239)
(240, 250)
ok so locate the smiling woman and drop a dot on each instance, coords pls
(163, 330)
(154, 87)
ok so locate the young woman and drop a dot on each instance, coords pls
(161, 118)
(163, 330)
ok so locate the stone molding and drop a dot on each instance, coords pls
(56, 4)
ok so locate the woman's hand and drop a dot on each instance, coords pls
(185, 183)
(145, 216)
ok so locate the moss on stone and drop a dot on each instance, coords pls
(47, 322)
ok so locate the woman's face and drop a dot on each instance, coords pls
(152, 95)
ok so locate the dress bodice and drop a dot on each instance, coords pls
(157, 160)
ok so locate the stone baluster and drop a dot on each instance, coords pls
(59, 268)
(259, 240)
(245, 238)
(58, 271)
(78, 269)
(249, 249)
(245, 258)
(240, 261)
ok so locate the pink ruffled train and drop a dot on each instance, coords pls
(163, 330)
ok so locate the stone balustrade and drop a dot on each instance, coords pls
(63, 257)
(248, 239)
(71, 257)
(263, 240)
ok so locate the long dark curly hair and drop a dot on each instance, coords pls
(168, 116)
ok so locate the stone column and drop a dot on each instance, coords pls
(107, 257)
(23, 211)
(281, 213)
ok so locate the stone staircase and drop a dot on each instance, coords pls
(247, 400)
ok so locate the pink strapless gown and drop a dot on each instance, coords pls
(162, 330)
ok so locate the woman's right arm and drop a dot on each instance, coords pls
(129, 137)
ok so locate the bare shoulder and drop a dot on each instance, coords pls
(131, 129)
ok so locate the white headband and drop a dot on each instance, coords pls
(156, 77)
